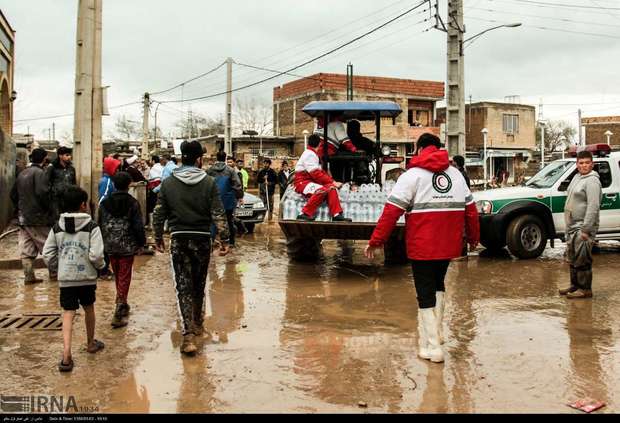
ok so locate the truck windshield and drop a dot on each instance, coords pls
(548, 176)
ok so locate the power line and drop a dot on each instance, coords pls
(311, 60)
(544, 17)
(573, 6)
(544, 6)
(202, 75)
(71, 114)
(248, 76)
(549, 29)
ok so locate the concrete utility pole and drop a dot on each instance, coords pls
(145, 126)
(228, 132)
(350, 82)
(581, 143)
(455, 108)
(87, 130)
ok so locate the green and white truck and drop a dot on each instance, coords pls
(526, 218)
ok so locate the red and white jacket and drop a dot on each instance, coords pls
(439, 209)
(336, 137)
(309, 175)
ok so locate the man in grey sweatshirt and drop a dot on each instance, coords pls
(581, 215)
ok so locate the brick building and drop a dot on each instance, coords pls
(511, 138)
(7, 146)
(416, 98)
(596, 127)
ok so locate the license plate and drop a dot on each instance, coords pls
(244, 213)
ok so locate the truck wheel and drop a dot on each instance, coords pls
(303, 249)
(527, 237)
(395, 253)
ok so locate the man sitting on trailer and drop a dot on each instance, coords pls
(337, 137)
(316, 184)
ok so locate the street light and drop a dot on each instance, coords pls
(563, 140)
(485, 135)
(471, 39)
(306, 133)
(542, 124)
(609, 134)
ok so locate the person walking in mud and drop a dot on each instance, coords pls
(61, 175)
(190, 202)
(439, 209)
(582, 214)
(30, 196)
(120, 220)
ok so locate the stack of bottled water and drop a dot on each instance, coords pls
(362, 204)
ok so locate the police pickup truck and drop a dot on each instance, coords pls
(525, 218)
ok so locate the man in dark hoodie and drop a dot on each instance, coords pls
(120, 220)
(61, 175)
(30, 196)
(230, 188)
(190, 201)
(440, 210)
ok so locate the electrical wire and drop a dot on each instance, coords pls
(572, 6)
(548, 29)
(544, 17)
(202, 75)
(311, 60)
(71, 114)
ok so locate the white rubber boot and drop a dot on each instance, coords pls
(435, 352)
(439, 308)
(422, 340)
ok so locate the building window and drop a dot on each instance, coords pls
(418, 117)
(4, 64)
(6, 41)
(511, 124)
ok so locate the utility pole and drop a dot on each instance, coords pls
(581, 143)
(145, 126)
(228, 130)
(87, 130)
(350, 82)
(455, 107)
(53, 131)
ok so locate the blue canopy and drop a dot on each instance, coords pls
(361, 110)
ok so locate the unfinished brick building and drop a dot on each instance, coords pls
(416, 98)
(596, 127)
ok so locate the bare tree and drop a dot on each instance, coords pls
(127, 128)
(558, 134)
(252, 115)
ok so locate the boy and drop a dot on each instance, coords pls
(120, 220)
(76, 243)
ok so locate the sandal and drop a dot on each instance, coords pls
(95, 347)
(64, 368)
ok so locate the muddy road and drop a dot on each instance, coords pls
(325, 337)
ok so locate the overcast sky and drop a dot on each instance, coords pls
(151, 45)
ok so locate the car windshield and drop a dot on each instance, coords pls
(548, 176)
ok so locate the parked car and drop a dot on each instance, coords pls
(525, 218)
(251, 212)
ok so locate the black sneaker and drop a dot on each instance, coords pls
(341, 218)
(305, 217)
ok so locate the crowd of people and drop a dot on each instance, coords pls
(196, 206)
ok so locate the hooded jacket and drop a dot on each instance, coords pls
(583, 204)
(30, 195)
(228, 184)
(60, 178)
(122, 228)
(190, 201)
(76, 243)
(106, 186)
(439, 209)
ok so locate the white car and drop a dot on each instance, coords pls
(525, 218)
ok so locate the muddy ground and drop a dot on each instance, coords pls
(322, 338)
